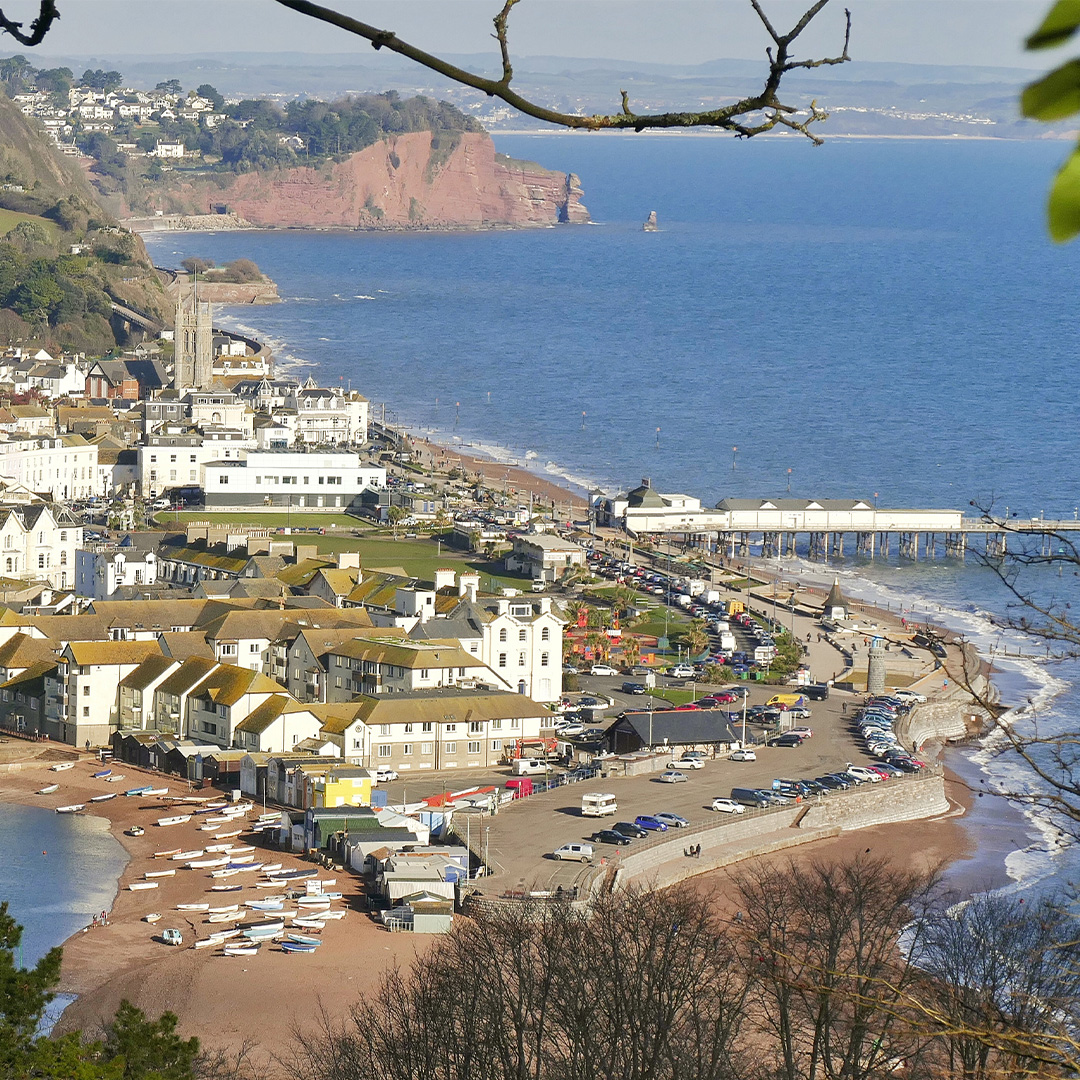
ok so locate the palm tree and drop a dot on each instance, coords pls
(622, 599)
(574, 610)
(695, 637)
(631, 649)
(599, 644)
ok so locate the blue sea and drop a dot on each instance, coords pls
(871, 318)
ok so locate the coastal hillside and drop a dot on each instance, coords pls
(64, 261)
(419, 179)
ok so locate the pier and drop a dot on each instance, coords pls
(828, 528)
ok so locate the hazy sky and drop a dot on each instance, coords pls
(983, 32)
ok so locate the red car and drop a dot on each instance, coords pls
(688, 705)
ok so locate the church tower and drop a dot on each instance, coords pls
(193, 345)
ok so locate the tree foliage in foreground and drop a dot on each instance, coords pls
(807, 982)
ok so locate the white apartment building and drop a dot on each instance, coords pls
(330, 478)
(64, 467)
(172, 460)
(39, 541)
(320, 417)
(221, 410)
(101, 570)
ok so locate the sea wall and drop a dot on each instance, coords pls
(401, 182)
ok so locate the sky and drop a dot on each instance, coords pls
(978, 32)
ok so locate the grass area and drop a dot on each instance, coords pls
(10, 218)
(271, 519)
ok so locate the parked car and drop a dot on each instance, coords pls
(672, 821)
(569, 669)
(579, 852)
(602, 669)
(728, 806)
(633, 688)
(628, 828)
(383, 774)
(611, 836)
(681, 671)
(787, 739)
(743, 754)
(687, 763)
(701, 755)
(652, 824)
(672, 777)
(802, 732)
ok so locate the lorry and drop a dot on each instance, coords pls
(598, 804)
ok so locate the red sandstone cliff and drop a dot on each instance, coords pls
(394, 184)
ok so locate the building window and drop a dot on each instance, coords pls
(450, 747)
(224, 480)
(474, 748)
(502, 634)
(406, 749)
(41, 562)
(337, 682)
(63, 558)
(86, 691)
(358, 744)
(545, 633)
(253, 647)
(474, 647)
(502, 659)
(427, 727)
(496, 725)
(384, 729)
(496, 745)
(475, 726)
(544, 659)
(408, 729)
(450, 727)
(427, 748)
(521, 659)
(423, 673)
(228, 650)
(384, 749)
(522, 636)
(63, 536)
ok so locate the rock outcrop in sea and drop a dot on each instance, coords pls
(399, 183)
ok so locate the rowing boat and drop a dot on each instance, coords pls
(159, 873)
(62, 766)
(136, 886)
(224, 873)
(241, 950)
(179, 819)
(328, 915)
(266, 905)
(226, 888)
(241, 866)
(269, 868)
(48, 789)
(224, 910)
(166, 854)
(217, 848)
(156, 791)
(226, 916)
(192, 907)
(153, 917)
(303, 939)
(104, 798)
(207, 864)
(73, 809)
(114, 779)
(137, 791)
(102, 774)
(243, 850)
(297, 947)
(308, 922)
(314, 904)
(227, 835)
(184, 856)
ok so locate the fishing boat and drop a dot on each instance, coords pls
(73, 809)
(137, 791)
(227, 835)
(217, 822)
(104, 798)
(136, 886)
(179, 819)
(269, 868)
(156, 791)
(241, 950)
(267, 930)
(271, 883)
(184, 856)
(135, 830)
(266, 905)
(159, 873)
(308, 922)
(114, 779)
(62, 766)
(48, 789)
(207, 864)
(192, 907)
(226, 888)
(207, 828)
(303, 939)
(226, 916)
(205, 943)
(297, 947)
(102, 774)
(224, 873)
(153, 917)
(224, 910)
(167, 854)
(211, 807)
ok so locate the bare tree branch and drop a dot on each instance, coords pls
(735, 117)
(47, 15)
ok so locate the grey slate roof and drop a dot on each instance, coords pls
(678, 727)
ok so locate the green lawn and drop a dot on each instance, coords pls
(272, 519)
(10, 218)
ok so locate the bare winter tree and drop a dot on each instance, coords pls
(753, 114)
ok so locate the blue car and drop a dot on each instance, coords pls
(647, 821)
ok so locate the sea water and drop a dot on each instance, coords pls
(871, 318)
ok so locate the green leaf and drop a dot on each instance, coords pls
(1054, 96)
(1063, 211)
(1061, 22)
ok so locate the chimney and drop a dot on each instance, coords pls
(348, 560)
(469, 585)
(444, 579)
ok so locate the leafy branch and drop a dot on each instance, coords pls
(747, 117)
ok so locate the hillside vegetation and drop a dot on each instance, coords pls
(63, 258)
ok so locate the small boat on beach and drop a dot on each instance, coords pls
(296, 875)
(217, 849)
(264, 930)
(239, 867)
(136, 886)
(241, 950)
(308, 922)
(314, 904)
(298, 947)
(328, 915)
(192, 907)
(135, 830)
(137, 791)
(62, 766)
(303, 939)
(73, 809)
(205, 943)
(179, 819)
(104, 798)
(269, 868)
(159, 873)
(224, 873)
(184, 856)
(223, 910)
(102, 774)
(207, 864)
(153, 917)
(156, 791)
(266, 905)
(227, 835)
(48, 789)
(226, 916)
(114, 779)
(167, 854)
(242, 850)
(226, 888)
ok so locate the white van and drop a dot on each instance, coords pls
(598, 804)
(529, 766)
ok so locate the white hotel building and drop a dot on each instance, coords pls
(333, 479)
